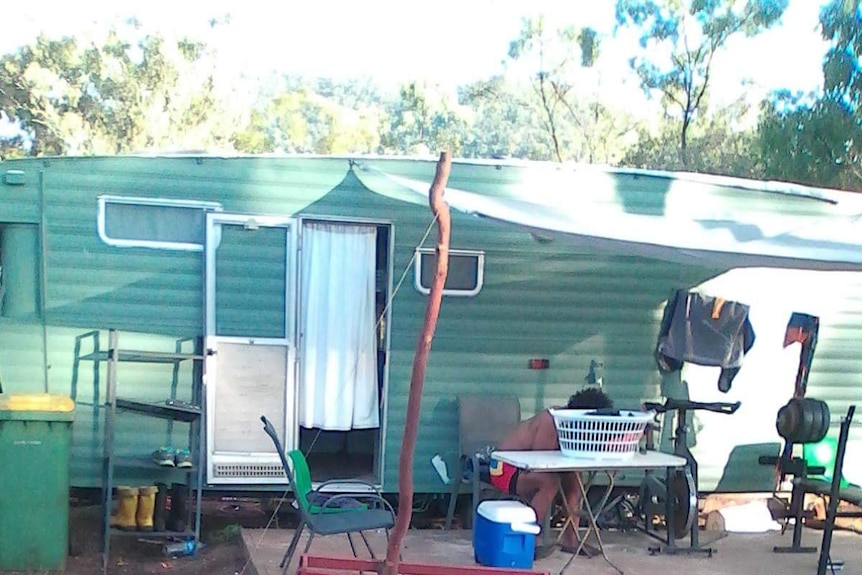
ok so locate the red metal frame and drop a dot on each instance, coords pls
(318, 565)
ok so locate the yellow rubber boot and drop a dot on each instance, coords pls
(146, 506)
(127, 505)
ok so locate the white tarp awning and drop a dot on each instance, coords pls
(754, 238)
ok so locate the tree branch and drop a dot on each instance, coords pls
(575, 117)
(549, 112)
(705, 84)
(440, 210)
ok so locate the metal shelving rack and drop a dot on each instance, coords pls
(190, 413)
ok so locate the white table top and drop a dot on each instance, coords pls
(556, 461)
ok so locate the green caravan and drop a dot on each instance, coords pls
(303, 282)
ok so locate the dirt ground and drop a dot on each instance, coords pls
(220, 532)
(222, 554)
(222, 518)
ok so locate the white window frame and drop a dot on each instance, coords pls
(480, 272)
(159, 202)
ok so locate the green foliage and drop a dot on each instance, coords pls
(716, 146)
(300, 120)
(551, 56)
(810, 143)
(126, 92)
(501, 125)
(815, 143)
(841, 25)
(689, 33)
(131, 90)
(817, 140)
(227, 534)
(324, 116)
(422, 120)
(11, 147)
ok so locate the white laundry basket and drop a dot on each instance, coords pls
(586, 434)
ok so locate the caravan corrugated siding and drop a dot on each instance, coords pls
(156, 293)
(539, 300)
(568, 305)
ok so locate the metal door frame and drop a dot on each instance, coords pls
(213, 239)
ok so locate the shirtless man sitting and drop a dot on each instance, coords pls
(539, 433)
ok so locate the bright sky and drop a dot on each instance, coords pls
(446, 41)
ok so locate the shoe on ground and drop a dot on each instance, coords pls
(164, 456)
(146, 507)
(127, 506)
(183, 458)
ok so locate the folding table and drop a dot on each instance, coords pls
(556, 462)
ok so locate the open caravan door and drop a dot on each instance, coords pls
(251, 355)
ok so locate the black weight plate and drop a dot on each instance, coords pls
(651, 495)
(807, 417)
(815, 408)
(807, 423)
(826, 417)
(787, 422)
(684, 500)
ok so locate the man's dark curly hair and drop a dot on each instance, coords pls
(590, 398)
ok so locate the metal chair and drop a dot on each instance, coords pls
(326, 522)
(482, 420)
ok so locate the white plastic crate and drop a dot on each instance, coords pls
(587, 436)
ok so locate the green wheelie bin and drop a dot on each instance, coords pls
(35, 441)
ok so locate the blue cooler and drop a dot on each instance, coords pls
(505, 534)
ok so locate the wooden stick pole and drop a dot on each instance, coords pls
(440, 210)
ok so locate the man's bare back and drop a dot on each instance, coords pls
(539, 433)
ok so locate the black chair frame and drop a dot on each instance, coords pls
(346, 522)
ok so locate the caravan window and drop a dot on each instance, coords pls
(465, 275)
(19, 270)
(153, 223)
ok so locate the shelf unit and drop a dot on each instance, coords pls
(171, 410)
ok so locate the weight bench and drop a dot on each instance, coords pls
(803, 421)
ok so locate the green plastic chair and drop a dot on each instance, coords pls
(302, 479)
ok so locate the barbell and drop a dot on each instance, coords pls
(805, 420)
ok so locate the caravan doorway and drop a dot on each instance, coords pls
(344, 277)
(297, 330)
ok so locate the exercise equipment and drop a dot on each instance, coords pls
(675, 496)
(803, 420)
(808, 423)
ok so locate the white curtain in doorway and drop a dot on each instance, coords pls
(338, 390)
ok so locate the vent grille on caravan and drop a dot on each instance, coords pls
(246, 470)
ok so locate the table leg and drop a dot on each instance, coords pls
(592, 526)
(571, 513)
